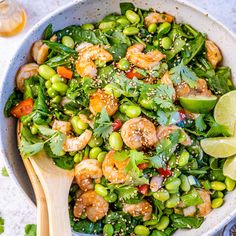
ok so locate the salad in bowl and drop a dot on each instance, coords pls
(140, 106)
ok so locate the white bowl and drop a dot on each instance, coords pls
(79, 12)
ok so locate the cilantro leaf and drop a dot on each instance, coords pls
(30, 230)
(4, 172)
(103, 125)
(182, 73)
(200, 123)
(45, 130)
(127, 192)
(28, 149)
(122, 155)
(56, 143)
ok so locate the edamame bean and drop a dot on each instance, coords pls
(156, 43)
(111, 90)
(164, 28)
(112, 197)
(172, 161)
(88, 26)
(230, 184)
(56, 100)
(123, 64)
(52, 92)
(68, 42)
(217, 202)
(74, 121)
(147, 104)
(173, 201)
(217, 194)
(60, 87)
(163, 223)
(141, 230)
(172, 183)
(48, 84)
(185, 185)
(174, 190)
(107, 25)
(95, 142)
(217, 185)
(100, 190)
(133, 111)
(34, 129)
(152, 28)
(166, 43)
(46, 71)
(176, 173)
(108, 230)
(183, 158)
(206, 184)
(78, 157)
(101, 156)
(123, 21)
(161, 195)
(132, 16)
(123, 108)
(115, 141)
(131, 31)
(57, 78)
(94, 152)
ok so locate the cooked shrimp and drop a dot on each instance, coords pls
(85, 119)
(25, 72)
(154, 18)
(40, 52)
(87, 171)
(94, 206)
(143, 208)
(114, 170)
(165, 79)
(100, 99)
(146, 61)
(164, 131)
(205, 207)
(62, 126)
(202, 88)
(77, 143)
(189, 211)
(85, 65)
(138, 133)
(213, 53)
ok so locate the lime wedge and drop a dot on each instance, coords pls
(229, 168)
(198, 104)
(225, 110)
(219, 147)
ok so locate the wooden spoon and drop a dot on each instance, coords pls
(42, 210)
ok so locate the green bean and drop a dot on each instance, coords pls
(173, 201)
(48, 84)
(161, 195)
(132, 16)
(52, 92)
(46, 71)
(95, 142)
(163, 223)
(34, 129)
(133, 111)
(94, 152)
(123, 64)
(88, 26)
(57, 78)
(185, 185)
(123, 21)
(131, 30)
(166, 43)
(115, 141)
(183, 158)
(217, 185)
(111, 90)
(107, 25)
(112, 197)
(230, 184)
(101, 156)
(141, 230)
(172, 183)
(164, 28)
(108, 230)
(68, 41)
(217, 202)
(152, 28)
(55, 100)
(123, 108)
(78, 157)
(100, 190)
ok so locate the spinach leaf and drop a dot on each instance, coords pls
(177, 47)
(118, 51)
(185, 222)
(48, 32)
(30, 230)
(12, 101)
(65, 162)
(58, 61)
(118, 37)
(88, 227)
(124, 6)
(192, 48)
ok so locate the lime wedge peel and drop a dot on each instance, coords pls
(198, 104)
(219, 147)
(229, 168)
